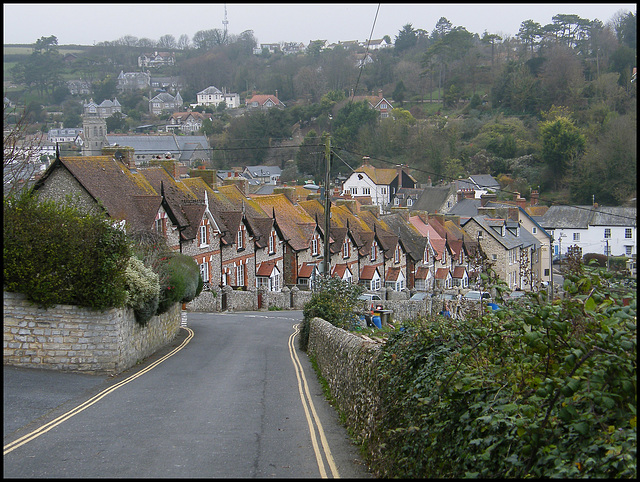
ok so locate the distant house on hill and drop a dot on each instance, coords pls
(214, 96)
(157, 59)
(165, 102)
(130, 81)
(379, 103)
(264, 101)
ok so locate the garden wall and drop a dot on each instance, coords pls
(67, 337)
(348, 363)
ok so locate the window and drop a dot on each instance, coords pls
(203, 235)
(628, 233)
(354, 191)
(373, 251)
(345, 249)
(240, 239)
(204, 271)
(160, 226)
(314, 245)
(409, 202)
(576, 236)
(396, 201)
(383, 190)
(272, 243)
(240, 275)
(534, 230)
(396, 255)
(607, 233)
(628, 250)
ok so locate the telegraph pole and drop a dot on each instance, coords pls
(327, 206)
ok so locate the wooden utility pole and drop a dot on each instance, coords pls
(327, 206)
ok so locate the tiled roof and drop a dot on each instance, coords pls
(378, 175)
(422, 273)
(368, 272)
(393, 274)
(442, 273)
(458, 272)
(306, 270)
(339, 270)
(266, 268)
(295, 224)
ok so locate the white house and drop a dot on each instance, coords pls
(214, 96)
(594, 229)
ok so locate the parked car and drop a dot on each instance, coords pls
(420, 296)
(515, 295)
(474, 295)
(369, 297)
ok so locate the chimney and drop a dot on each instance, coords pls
(534, 198)
(520, 201)
(461, 195)
(429, 184)
(276, 93)
(402, 211)
(289, 192)
(365, 161)
(241, 183)
(486, 198)
(380, 93)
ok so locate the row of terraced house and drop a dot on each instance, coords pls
(248, 241)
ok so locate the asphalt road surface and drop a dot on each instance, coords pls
(231, 397)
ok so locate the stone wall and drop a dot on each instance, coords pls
(67, 337)
(348, 363)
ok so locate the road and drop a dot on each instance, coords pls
(231, 397)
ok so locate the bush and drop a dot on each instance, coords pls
(544, 390)
(56, 254)
(143, 290)
(334, 301)
(180, 280)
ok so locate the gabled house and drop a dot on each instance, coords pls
(214, 96)
(593, 229)
(187, 122)
(264, 174)
(378, 103)
(103, 183)
(157, 59)
(165, 102)
(186, 149)
(436, 199)
(264, 101)
(377, 184)
(131, 81)
(105, 109)
(509, 248)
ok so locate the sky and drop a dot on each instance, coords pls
(88, 24)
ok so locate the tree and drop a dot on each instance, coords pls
(406, 38)
(310, 158)
(21, 153)
(562, 143)
(167, 41)
(42, 69)
(349, 120)
(529, 33)
(183, 42)
(398, 93)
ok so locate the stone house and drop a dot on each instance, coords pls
(512, 251)
(130, 81)
(105, 109)
(165, 102)
(157, 59)
(187, 122)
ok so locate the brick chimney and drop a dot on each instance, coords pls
(520, 201)
(486, 198)
(534, 198)
(240, 182)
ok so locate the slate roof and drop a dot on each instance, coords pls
(509, 241)
(433, 198)
(566, 217)
(412, 240)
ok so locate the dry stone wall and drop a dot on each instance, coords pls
(72, 338)
(349, 365)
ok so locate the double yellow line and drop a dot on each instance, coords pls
(312, 418)
(54, 423)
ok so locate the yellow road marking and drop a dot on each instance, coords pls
(54, 423)
(305, 397)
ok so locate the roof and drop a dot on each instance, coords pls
(433, 198)
(459, 272)
(485, 181)
(369, 272)
(566, 217)
(124, 195)
(422, 273)
(442, 273)
(266, 268)
(306, 270)
(211, 90)
(262, 99)
(295, 224)
(493, 227)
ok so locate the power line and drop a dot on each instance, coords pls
(365, 54)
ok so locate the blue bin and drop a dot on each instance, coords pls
(377, 321)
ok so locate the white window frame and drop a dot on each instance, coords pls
(576, 236)
(240, 239)
(314, 245)
(272, 243)
(607, 233)
(240, 275)
(203, 235)
(345, 249)
(396, 255)
(204, 271)
(628, 233)
(373, 252)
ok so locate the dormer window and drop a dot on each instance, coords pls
(373, 251)
(345, 249)
(396, 255)
(272, 243)
(203, 234)
(314, 245)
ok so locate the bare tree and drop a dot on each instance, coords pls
(21, 153)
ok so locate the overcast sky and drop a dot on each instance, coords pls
(86, 24)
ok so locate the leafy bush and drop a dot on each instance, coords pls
(334, 301)
(543, 390)
(56, 254)
(143, 290)
(180, 280)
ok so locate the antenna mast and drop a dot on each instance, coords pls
(225, 22)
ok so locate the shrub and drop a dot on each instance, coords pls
(56, 254)
(180, 280)
(544, 390)
(143, 290)
(334, 301)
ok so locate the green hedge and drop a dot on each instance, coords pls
(180, 280)
(55, 254)
(539, 390)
